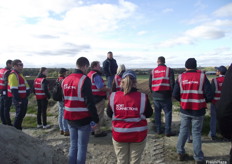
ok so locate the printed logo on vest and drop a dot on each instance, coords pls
(121, 107)
(69, 87)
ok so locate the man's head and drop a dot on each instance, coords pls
(221, 70)
(9, 64)
(63, 72)
(191, 63)
(95, 65)
(82, 63)
(161, 60)
(110, 55)
(18, 65)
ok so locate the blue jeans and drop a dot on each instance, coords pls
(79, 138)
(110, 81)
(166, 105)
(197, 122)
(21, 110)
(63, 123)
(213, 120)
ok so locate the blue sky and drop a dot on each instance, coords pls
(54, 33)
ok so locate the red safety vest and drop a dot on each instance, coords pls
(161, 78)
(218, 87)
(39, 92)
(128, 122)
(3, 71)
(74, 103)
(95, 90)
(22, 89)
(117, 80)
(191, 90)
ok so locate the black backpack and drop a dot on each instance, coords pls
(57, 94)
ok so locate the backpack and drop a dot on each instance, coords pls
(57, 94)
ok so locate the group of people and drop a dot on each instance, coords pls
(84, 93)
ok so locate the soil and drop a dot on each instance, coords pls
(48, 146)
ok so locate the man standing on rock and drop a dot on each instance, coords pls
(193, 90)
(79, 110)
(5, 101)
(19, 89)
(161, 83)
(110, 67)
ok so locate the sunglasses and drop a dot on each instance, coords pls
(20, 64)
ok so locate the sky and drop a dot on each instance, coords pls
(55, 33)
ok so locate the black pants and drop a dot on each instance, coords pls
(42, 110)
(21, 110)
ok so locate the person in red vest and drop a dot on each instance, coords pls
(193, 90)
(99, 93)
(79, 110)
(42, 95)
(117, 78)
(216, 85)
(19, 89)
(161, 83)
(63, 123)
(5, 101)
(129, 109)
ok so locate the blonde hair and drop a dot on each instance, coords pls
(120, 69)
(127, 83)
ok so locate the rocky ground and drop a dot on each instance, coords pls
(159, 149)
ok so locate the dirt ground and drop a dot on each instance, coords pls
(159, 149)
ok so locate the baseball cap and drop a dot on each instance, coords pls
(221, 69)
(62, 70)
(129, 73)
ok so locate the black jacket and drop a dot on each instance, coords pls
(224, 106)
(148, 111)
(207, 91)
(88, 97)
(162, 95)
(110, 67)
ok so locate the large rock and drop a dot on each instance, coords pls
(16, 147)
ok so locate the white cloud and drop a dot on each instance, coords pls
(167, 10)
(141, 33)
(225, 11)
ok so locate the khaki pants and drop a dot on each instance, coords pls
(100, 111)
(129, 153)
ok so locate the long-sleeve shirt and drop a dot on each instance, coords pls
(88, 97)
(207, 91)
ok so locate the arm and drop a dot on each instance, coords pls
(45, 88)
(207, 90)
(176, 91)
(13, 83)
(106, 68)
(109, 111)
(88, 96)
(148, 111)
(150, 81)
(6, 77)
(113, 86)
(99, 84)
(213, 87)
(172, 79)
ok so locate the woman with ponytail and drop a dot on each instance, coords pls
(129, 109)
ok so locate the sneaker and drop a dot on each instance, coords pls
(66, 133)
(39, 126)
(61, 132)
(46, 126)
(170, 134)
(102, 134)
(181, 157)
